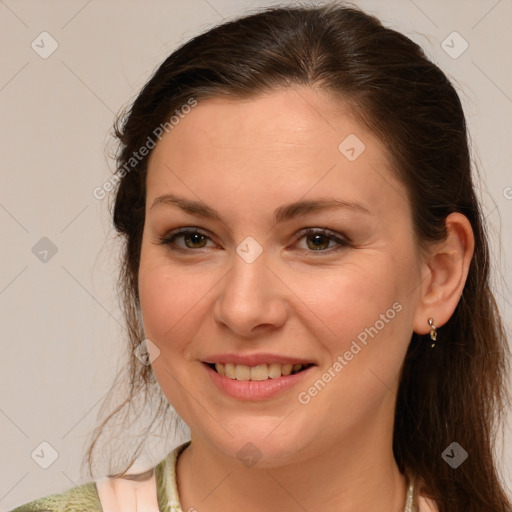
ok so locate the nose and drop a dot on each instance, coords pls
(251, 300)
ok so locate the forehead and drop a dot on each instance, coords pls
(291, 119)
(271, 149)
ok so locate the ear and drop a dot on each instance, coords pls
(444, 272)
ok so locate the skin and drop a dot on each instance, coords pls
(245, 158)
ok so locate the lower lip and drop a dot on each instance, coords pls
(256, 389)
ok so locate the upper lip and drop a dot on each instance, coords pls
(255, 359)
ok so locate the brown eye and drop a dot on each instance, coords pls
(322, 240)
(318, 241)
(192, 239)
(195, 239)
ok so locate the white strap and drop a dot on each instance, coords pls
(123, 495)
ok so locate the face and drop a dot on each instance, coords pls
(248, 283)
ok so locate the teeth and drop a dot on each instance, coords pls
(242, 372)
(260, 372)
(274, 370)
(286, 369)
(229, 370)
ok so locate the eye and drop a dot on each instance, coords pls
(318, 240)
(192, 238)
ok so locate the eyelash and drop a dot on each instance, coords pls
(342, 243)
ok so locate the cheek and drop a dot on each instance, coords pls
(363, 324)
(349, 299)
(169, 299)
(363, 321)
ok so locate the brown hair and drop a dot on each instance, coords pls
(455, 392)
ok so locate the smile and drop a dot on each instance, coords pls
(258, 373)
(260, 382)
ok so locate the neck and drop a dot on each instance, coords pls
(345, 477)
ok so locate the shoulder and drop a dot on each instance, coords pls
(150, 491)
(422, 503)
(426, 505)
(80, 498)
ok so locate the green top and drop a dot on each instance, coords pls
(85, 497)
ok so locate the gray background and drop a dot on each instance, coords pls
(62, 337)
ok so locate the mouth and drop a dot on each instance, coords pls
(259, 372)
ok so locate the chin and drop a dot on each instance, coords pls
(261, 446)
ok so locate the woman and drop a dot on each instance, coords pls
(307, 265)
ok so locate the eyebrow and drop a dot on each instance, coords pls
(281, 214)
